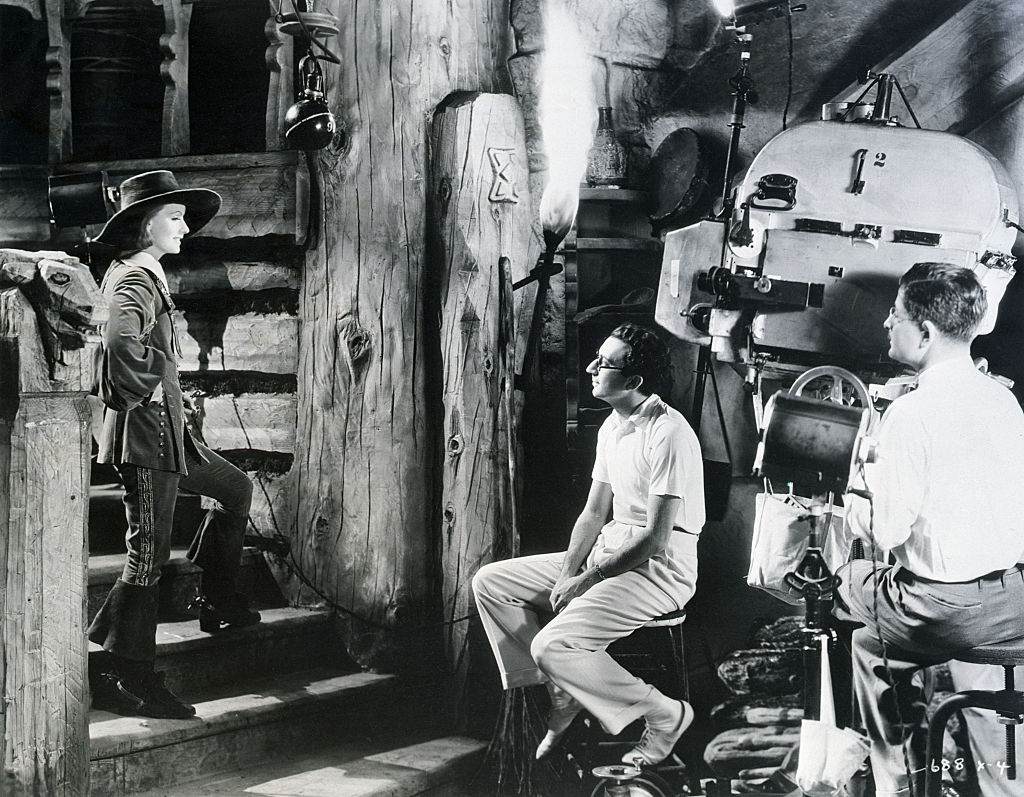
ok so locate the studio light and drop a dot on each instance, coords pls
(77, 200)
(753, 11)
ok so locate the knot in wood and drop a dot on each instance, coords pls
(449, 514)
(455, 445)
(488, 363)
(444, 193)
(356, 341)
(445, 47)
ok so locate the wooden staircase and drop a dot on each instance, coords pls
(280, 707)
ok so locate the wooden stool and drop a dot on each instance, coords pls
(1008, 703)
(657, 648)
(655, 652)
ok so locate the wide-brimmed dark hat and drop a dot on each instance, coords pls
(143, 192)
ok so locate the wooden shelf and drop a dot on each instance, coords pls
(618, 245)
(589, 194)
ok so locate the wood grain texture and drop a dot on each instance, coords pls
(58, 81)
(260, 421)
(202, 276)
(280, 57)
(365, 449)
(965, 71)
(44, 483)
(175, 139)
(480, 213)
(19, 326)
(243, 342)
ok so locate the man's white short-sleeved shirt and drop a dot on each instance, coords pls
(653, 452)
(948, 477)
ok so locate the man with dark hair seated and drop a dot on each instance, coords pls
(632, 556)
(945, 508)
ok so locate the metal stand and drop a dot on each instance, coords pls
(815, 583)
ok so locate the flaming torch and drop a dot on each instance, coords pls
(568, 116)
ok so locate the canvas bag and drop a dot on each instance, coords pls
(828, 755)
(782, 528)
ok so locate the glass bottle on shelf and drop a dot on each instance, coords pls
(606, 159)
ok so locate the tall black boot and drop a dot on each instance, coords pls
(217, 548)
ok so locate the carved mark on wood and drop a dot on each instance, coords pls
(503, 179)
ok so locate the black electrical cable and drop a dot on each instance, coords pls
(789, 63)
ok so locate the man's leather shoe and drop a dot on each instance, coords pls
(658, 742)
(233, 611)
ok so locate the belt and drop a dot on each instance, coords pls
(995, 575)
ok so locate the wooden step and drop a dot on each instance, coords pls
(285, 640)
(432, 767)
(278, 719)
(179, 582)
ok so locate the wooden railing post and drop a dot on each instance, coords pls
(280, 58)
(176, 132)
(44, 497)
(58, 81)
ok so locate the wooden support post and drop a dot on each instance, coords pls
(363, 528)
(44, 498)
(480, 214)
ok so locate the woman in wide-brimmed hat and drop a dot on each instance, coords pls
(145, 437)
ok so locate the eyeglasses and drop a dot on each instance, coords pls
(604, 365)
(896, 317)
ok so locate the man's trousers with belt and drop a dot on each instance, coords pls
(532, 646)
(126, 623)
(911, 623)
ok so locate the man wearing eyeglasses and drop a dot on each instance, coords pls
(632, 556)
(945, 508)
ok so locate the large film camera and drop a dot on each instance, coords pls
(827, 218)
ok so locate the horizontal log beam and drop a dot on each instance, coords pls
(245, 342)
(206, 276)
(235, 383)
(251, 420)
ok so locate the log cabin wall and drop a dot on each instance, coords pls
(314, 271)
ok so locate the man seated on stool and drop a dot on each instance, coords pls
(945, 488)
(632, 556)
